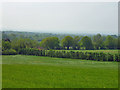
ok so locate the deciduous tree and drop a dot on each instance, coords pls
(67, 41)
(87, 43)
(50, 43)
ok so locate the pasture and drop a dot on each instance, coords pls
(20, 71)
(104, 51)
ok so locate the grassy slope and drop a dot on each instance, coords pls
(46, 72)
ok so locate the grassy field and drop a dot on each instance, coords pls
(45, 72)
(105, 51)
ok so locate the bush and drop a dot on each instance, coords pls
(117, 57)
(82, 55)
(72, 54)
(110, 57)
(97, 56)
(77, 55)
(103, 56)
(9, 52)
(92, 56)
(67, 55)
(32, 51)
(64, 54)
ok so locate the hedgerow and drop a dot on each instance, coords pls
(97, 56)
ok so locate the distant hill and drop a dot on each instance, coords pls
(38, 36)
(32, 35)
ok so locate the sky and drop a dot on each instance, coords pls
(61, 17)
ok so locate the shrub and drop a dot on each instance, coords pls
(9, 52)
(97, 56)
(60, 55)
(92, 56)
(103, 56)
(116, 57)
(67, 55)
(72, 54)
(110, 57)
(82, 55)
(63, 54)
(77, 55)
(32, 51)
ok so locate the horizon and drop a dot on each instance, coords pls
(57, 32)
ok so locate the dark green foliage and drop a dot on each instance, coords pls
(67, 54)
(64, 54)
(9, 52)
(32, 51)
(67, 42)
(97, 41)
(76, 44)
(6, 45)
(82, 55)
(110, 42)
(51, 53)
(97, 57)
(77, 55)
(23, 43)
(92, 56)
(110, 57)
(103, 56)
(88, 55)
(50, 43)
(117, 57)
(87, 43)
(60, 55)
(71, 54)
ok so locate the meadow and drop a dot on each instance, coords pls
(104, 51)
(20, 71)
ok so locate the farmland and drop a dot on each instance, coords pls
(53, 44)
(104, 51)
(20, 71)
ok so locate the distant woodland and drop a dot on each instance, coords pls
(17, 40)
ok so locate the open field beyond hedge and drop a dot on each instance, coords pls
(20, 71)
(104, 51)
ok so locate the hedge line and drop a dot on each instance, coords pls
(9, 52)
(75, 55)
(31, 51)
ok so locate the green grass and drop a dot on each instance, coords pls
(105, 51)
(45, 72)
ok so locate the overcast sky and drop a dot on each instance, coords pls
(61, 17)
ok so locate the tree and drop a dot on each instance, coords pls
(86, 42)
(76, 40)
(23, 43)
(67, 41)
(50, 43)
(6, 45)
(110, 42)
(97, 41)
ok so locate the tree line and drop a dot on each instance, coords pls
(50, 47)
(67, 43)
(81, 43)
